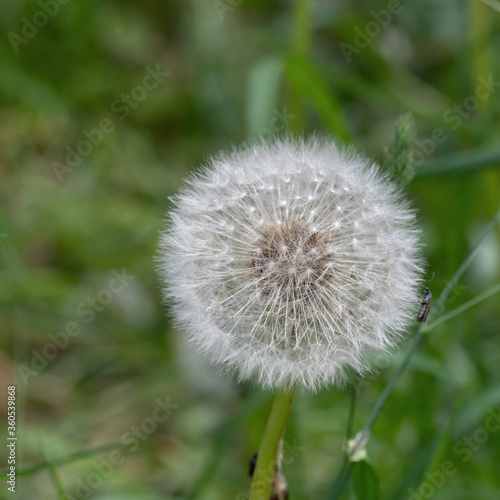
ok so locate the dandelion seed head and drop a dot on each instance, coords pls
(291, 263)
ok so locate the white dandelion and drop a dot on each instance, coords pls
(292, 263)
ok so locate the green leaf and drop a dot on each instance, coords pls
(464, 161)
(310, 83)
(263, 94)
(365, 481)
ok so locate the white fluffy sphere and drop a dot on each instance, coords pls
(292, 263)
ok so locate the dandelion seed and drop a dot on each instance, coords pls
(292, 263)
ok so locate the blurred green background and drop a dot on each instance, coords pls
(104, 109)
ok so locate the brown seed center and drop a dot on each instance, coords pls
(293, 263)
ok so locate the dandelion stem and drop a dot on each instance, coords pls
(260, 488)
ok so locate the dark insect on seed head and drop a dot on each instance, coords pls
(425, 305)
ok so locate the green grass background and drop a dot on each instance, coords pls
(234, 67)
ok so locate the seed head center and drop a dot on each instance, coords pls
(292, 261)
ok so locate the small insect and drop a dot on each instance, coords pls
(425, 305)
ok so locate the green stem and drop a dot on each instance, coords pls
(260, 488)
(462, 308)
(302, 26)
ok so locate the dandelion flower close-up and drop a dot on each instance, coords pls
(250, 250)
(293, 263)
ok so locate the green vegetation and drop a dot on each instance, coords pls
(105, 107)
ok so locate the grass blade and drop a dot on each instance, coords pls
(307, 79)
(462, 308)
(74, 457)
(458, 163)
(53, 474)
